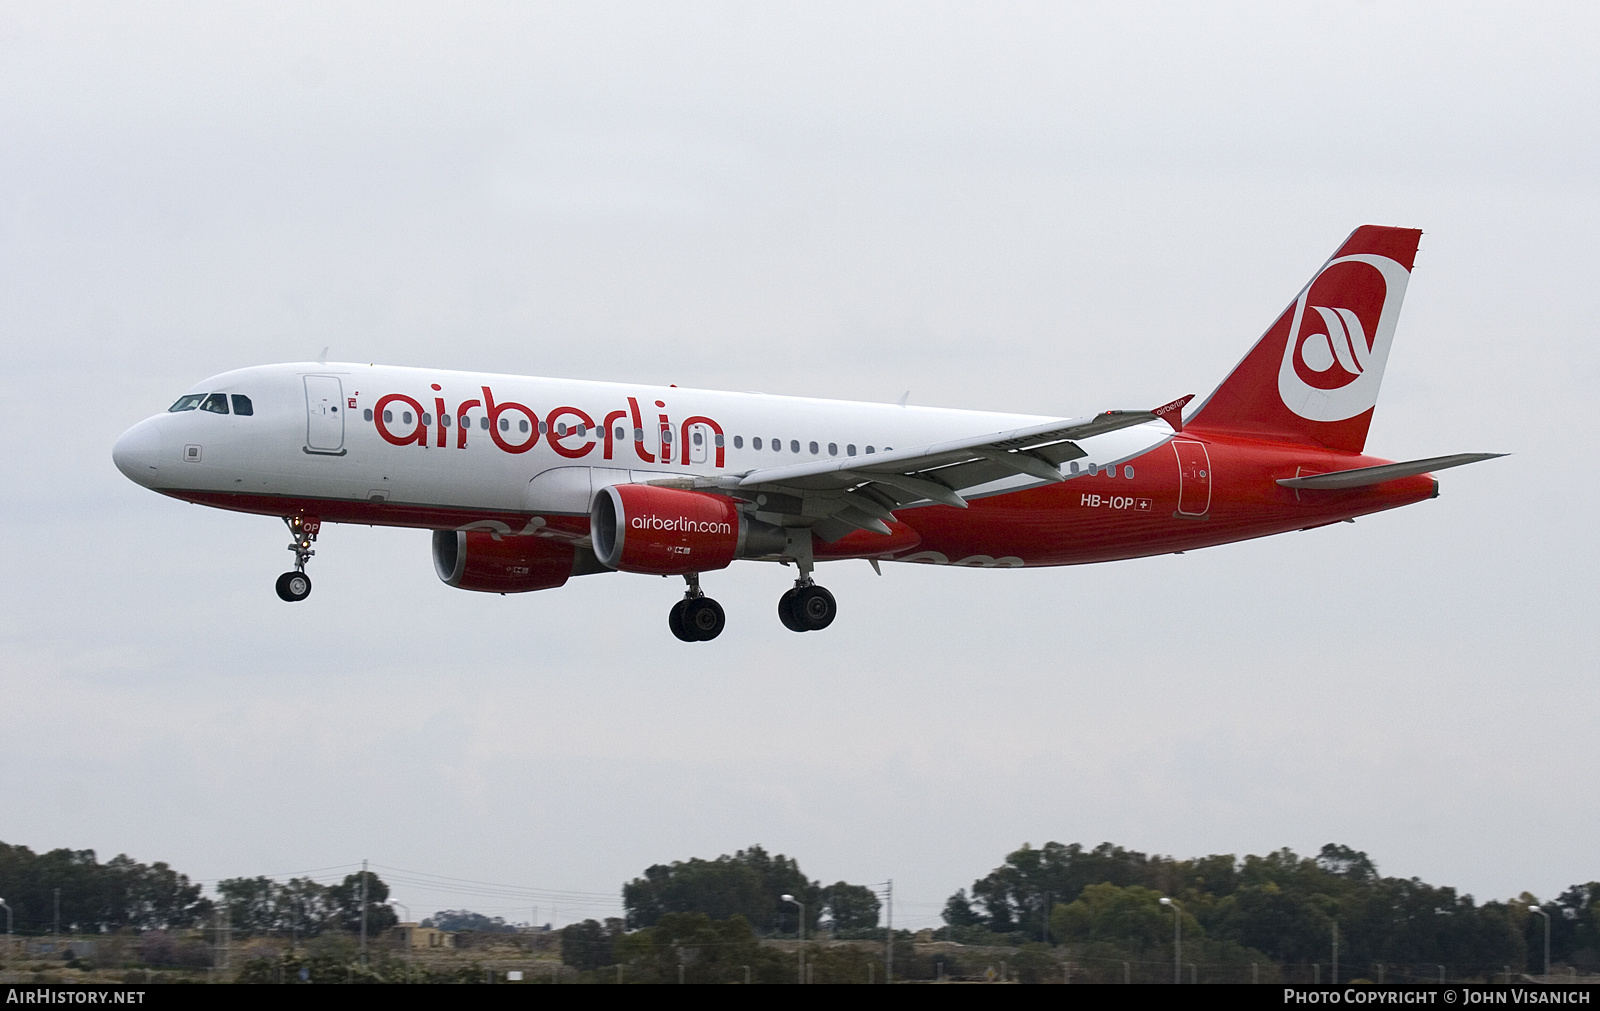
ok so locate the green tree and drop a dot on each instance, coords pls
(748, 884)
(958, 911)
(254, 905)
(851, 907)
(1018, 894)
(590, 944)
(344, 903)
(1106, 912)
(466, 919)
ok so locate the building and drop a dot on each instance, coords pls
(413, 936)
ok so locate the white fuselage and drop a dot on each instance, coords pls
(380, 434)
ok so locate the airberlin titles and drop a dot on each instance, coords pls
(517, 428)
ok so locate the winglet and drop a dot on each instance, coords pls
(1172, 413)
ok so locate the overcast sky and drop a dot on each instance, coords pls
(1051, 208)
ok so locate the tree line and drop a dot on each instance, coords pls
(1281, 908)
(72, 890)
(1063, 904)
(122, 893)
(1099, 912)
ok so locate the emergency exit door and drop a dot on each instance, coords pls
(1194, 478)
(324, 415)
(699, 437)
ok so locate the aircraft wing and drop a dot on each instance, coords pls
(862, 492)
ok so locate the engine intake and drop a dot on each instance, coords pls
(478, 560)
(670, 532)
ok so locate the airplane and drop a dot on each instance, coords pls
(526, 482)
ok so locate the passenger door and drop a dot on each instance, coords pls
(324, 417)
(1194, 478)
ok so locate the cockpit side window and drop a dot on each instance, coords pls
(242, 405)
(216, 403)
(187, 402)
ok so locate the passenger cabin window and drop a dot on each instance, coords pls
(754, 443)
(812, 447)
(367, 414)
(738, 442)
(242, 405)
(188, 402)
(833, 449)
(850, 450)
(794, 445)
(217, 403)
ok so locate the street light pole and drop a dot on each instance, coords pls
(1541, 912)
(10, 940)
(1177, 939)
(363, 912)
(801, 906)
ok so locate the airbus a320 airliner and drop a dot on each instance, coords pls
(526, 482)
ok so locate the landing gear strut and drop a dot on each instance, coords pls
(806, 607)
(296, 586)
(696, 618)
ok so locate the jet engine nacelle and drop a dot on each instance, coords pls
(478, 560)
(670, 532)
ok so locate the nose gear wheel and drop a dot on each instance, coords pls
(294, 586)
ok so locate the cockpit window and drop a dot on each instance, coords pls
(187, 402)
(216, 403)
(242, 405)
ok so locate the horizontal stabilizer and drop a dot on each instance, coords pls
(1360, 477)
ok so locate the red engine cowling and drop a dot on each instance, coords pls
(477, 560)
(664, 531)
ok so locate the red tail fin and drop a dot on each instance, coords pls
(1314, 377)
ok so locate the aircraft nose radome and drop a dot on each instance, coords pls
(138, 453)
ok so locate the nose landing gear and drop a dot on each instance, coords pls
(296, 586)
(696, 618)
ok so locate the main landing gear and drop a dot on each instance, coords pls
(696, 618)
(296, 586)
(806, 607)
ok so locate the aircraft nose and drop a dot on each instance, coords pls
(138, 453)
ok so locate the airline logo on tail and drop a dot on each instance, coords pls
(1339, 338)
